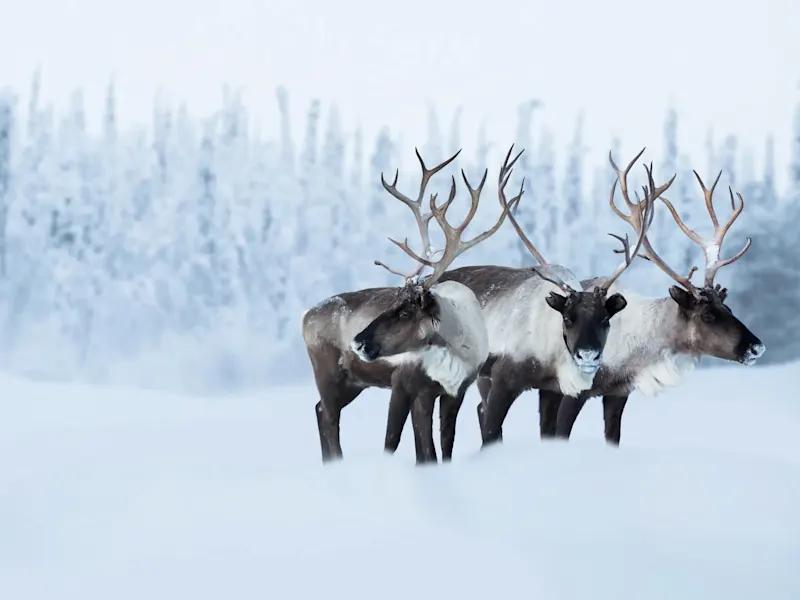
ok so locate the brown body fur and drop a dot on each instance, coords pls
(340, 376)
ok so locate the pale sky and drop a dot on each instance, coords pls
(731, 65)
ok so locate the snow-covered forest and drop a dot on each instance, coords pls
(183, 254)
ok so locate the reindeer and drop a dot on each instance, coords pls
(423, 340)
(658, 341)
(556, 348)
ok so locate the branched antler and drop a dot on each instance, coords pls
(711, 248)
(454, 245)
(642, 212)
(544, 270)
(637, 217)
(422, 219)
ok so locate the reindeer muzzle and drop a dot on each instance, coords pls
(753, 353)
(588, 360)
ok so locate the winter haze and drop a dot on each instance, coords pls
(180, 180)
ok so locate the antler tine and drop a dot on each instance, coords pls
(711, 248)
(502, 179)
(641, 220)
(708, 196)
(408, 277)
(719, 236)
(622, 177)
(422, 220)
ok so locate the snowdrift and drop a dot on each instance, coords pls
(117, 493)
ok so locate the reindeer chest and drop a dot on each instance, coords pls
(613, 382)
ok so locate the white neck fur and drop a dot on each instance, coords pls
(463, 328)
(644, 343)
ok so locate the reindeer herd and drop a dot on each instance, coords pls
(515, 329)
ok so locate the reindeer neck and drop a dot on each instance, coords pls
(648, 345)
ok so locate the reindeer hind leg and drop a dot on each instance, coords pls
(484, 387)
(448, 414)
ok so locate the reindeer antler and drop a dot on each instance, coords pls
(454, 245)
(636, 219)
(642, 213)
(711, 248)
(423, 220)
(544, 270)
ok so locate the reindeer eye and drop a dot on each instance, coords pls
(708, 317)
(405, 315)
(605, 321)
(567, 321)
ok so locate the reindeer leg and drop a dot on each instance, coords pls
(448, 413)
(567, 415)
(500, 399)
(422, 421)
(612, 416)
(549, 403)
(329, 410)
(319, 410)
(484, 387)
(399, 407)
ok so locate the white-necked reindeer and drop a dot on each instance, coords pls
(546, 330)
(657, 341)
(422, 340)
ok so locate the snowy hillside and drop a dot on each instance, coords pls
(112, 493)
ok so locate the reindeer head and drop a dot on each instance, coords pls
(412, 321)
(586, 315)
(410, 324)
(710, 326)
(713, 329)
(586, 320)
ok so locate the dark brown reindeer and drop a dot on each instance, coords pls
(657, 341)
(546, 330)
(423, 340)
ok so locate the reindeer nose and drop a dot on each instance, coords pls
(757, 350)
(587, 360)
(587, 355)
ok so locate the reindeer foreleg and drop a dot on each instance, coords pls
(612, 417)
(567, 414)
(549, 403)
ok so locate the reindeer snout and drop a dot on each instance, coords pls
(588, 355)
(753, 353)
(588, 359)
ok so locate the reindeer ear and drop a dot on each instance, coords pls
(615, 303)
(684, 299)
(556, 302)
(427, 301)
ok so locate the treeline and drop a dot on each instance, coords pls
(185, 253)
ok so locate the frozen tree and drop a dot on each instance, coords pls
(117, 247)
(770, 265)
(433, 149)
(794, 164)
(770, 194)
(455, 131)
(6, 124)
(576, 217)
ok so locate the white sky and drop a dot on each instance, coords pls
(731, 65)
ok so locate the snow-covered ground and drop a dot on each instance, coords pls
(111, 493)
